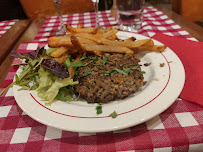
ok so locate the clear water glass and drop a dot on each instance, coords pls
(129, 14)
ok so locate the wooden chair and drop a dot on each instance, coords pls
(190, 9)
(45, 8)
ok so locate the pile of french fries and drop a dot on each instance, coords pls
(98, 41)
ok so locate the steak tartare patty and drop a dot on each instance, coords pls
(109, 77)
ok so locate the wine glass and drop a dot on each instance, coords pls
(96, 11)
(61, 29)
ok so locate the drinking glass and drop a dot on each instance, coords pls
(61, 29)
(96, 8)
(129, 14)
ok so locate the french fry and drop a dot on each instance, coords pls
(86, 41)
(62, 58)
(61, 38)
(71, 70)
(60, 41)
(109, 33)
(130, 39)
(54, 38)
(91, 37)
(98, 53)
(72, 51)
(128, 44)
(155, 48)
(112, 37)
(65, 37)
(90, 30)
(79, 25)
(55, 44)
(106, 48)
(57, 53)
(77, 44)
(100, 32)
(150, 42)
(135, 50)
(66, 42)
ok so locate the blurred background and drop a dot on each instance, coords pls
(23, 9)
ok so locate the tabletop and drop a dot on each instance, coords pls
(19, 132)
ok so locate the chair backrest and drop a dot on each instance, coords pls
(190, 9)
(45, 8)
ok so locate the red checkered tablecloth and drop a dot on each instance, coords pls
(153, 21)
(178, 129)
(5, 25)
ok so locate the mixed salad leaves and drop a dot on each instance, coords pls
(40, 72)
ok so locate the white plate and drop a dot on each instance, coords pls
(164, 85)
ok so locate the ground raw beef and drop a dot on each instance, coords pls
(99, 82)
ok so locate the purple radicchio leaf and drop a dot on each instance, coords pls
(33, 55)
(15, 54)
(57, 68)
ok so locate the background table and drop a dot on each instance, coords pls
(153, 21)
(10, 32)
(5, 25)
(179, 128)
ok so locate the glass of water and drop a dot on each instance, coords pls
(129, 14)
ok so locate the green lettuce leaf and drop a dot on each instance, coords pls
(52, 92)
(49, 86)
(65, 94)
(45, 81)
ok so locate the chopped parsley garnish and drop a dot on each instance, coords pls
(107, 54)
(77, 71)
(88, 63)
(114, 72)
(104, 61)
(136, 68)
(121, 65)
(87, 72)
(95, 64)
(80, 64)
(93, 57)
(77, 64)
(99, 109)
(126, 70)
(113, 114)
(109, 72)
(67, 62)
(142, 72)
(120, 71)
(106, 72)
(106, 31)
(83, 57)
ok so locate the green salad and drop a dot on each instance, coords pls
(45, 75)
